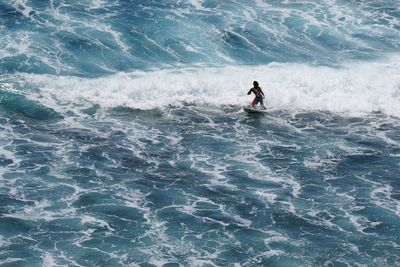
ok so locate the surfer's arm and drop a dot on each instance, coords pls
(261, 91)
(249, 92)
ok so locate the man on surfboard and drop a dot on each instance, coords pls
(259, 95)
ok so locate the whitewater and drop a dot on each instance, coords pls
(123, 141)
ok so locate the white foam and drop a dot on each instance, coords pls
(354, 89)
(98, 4)
(48, 260)
(381, 196)
(266, 195)
(197, 4)
(86, 219)
(36, 212)
(205, 164)
(23, 7)
(4, 242)
(6, 136)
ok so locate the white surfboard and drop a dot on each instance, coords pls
(251, 109)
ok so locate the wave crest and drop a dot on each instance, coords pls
(354, 88)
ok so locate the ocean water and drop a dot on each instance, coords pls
(123, 141)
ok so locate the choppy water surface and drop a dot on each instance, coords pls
(123, 141)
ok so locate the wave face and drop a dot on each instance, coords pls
(123, 141)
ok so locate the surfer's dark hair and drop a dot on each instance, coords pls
(255, 83)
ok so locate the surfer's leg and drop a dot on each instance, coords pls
(262, 103)
(256, 101)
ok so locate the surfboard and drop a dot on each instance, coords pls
(250, 109)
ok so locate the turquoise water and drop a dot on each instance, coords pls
(123, 141)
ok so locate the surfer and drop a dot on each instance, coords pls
(259, 95)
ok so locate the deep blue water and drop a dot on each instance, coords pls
(123, 141)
